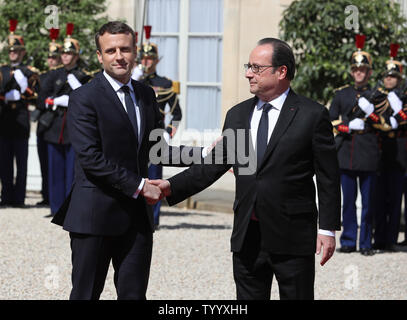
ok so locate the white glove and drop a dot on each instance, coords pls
(12, 95)
(136, 73)
(73, 81)
(366, 106)
(356, 124)
(394, 123)
(21, 80)
(395, 102)
(61, 101)
(166, 137)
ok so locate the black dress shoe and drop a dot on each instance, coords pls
(5, 204)
(347, 249)
(49, 215)
(43, 203)
(402, 243)
(367, 252)
(18, 205)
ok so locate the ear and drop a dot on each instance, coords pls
(283, 72)
(99, 54)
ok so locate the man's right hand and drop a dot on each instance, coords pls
(151, 192)
(164, 186)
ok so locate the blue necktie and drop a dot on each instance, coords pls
(131, 112)
(262, 133)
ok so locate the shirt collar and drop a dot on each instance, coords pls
(117, 85)
(277, 103)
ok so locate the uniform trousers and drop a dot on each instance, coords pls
(349, 183)
(11, 149)
(61, 163)
(388, 207)
(42, 149)
(156, 172)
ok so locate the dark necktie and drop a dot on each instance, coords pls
(131, 112)
(262, 133)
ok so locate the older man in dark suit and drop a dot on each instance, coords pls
(275, 226)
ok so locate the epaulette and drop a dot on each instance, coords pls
(340, 88)
(56, 67)
(86, 72)
(34, 69)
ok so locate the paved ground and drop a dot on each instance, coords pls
(191, 260)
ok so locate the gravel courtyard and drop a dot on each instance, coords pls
(191, 261)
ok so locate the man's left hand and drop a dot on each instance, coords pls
(327, 243)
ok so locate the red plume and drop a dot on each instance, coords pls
(69, 29)
(147, 30)
(360, 41)
(53, 33)
(394, 47)
(13, 24)
(136, 36)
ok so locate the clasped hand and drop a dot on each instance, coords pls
(155, 190)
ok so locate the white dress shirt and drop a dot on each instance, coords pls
(117, 85)
(273, 115)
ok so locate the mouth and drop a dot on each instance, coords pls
(120, 66)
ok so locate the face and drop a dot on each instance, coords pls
(53, 61)
(69, 59)
(390, 82)
(16, 55)
(117, 54)
(361, 75)
(149, 63)
(267, 83)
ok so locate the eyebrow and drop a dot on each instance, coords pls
(114, 48)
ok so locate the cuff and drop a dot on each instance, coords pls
(326, 232)
(140, 187)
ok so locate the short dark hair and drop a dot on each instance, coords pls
(282, 55)
(114, 27)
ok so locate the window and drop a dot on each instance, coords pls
(189, 38)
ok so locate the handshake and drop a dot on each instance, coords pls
(155, 190)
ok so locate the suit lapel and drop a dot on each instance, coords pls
(111, 95)
(287, 113)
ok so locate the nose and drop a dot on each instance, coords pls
(249, 73)
(119, 54)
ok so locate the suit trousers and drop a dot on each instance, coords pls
(254, 268)
(130, 254)
(13, 149)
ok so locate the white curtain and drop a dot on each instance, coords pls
(163, 15)
(205, 59)
(203, 111)
(204, 64)
(206, 15)
(168, 53)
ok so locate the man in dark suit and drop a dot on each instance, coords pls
(106, 213)
(275, 225)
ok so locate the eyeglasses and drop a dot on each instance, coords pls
(256, 68)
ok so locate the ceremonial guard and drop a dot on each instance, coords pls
(167, 98)
(358, 152)
(393, 159)
(54, 98)
(18, 85)
(53, 62)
